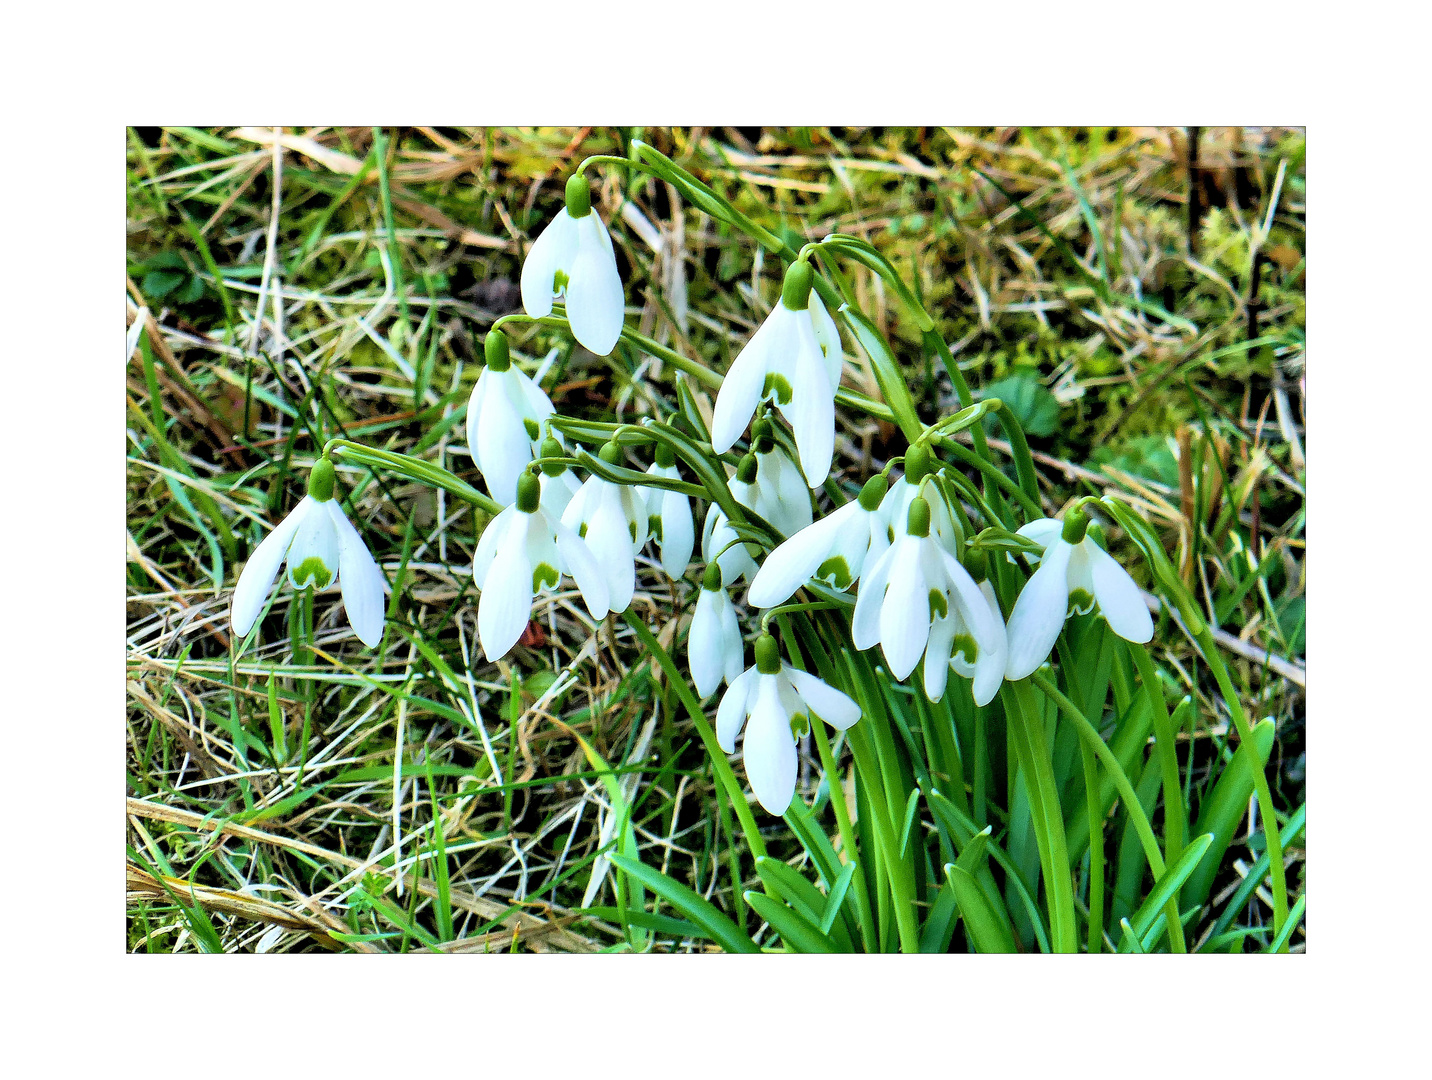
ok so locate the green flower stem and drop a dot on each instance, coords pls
(811, 605)
(415, 469)
(1095, 910)
(1027, 730)
(1175, 814)
(1132, 805)
(868, 773)
(719, 764)
(847, 837)
(991, 473)
(1209, 648)
(1019, 451)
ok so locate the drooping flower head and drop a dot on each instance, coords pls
(953, 642)
(714, 647)
(573, 259)
(668, 516)
(504, 420)
(833, 550)
(1074, 576)
(611, 518)
(558, 482)
(913, 586)
(322, 549)
(719, 539)
(780, 493)
(523, 551)
(775, 701)
(793, 359)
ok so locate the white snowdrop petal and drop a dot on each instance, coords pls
(733, 648)
(770, 749)
(905, 614)
(530, 399)
(732, 711)
(1038, 614)
(678, 534)
(744, 382)
(361, 578)
(609, 540)
(595, 301)
(835, 708)
(1043, 532)
(812, 409)
(704, 644)
(474, 411)
(557, 492)
(633, 511)
(790, 565)
(937, 656)
(503, 447)
(828, 335)
(551, 251)
(488, 543)
(256, 580)
(1119, 598)
(506, 603)
(990, 664)
(578, 563)
(865, 621)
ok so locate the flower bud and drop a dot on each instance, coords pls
(552, 448)
(768, 655)
(579, 196)
(495, 349)
(320, 481)
(1076, 524)
(873, 491)
(795, 292)
(917, 523)
(529, 492)
(711, 580)
(917, 463)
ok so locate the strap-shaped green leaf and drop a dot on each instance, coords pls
(798, 932)
(1166, 888)
(987, 934)
(695, 907)
(888, 373)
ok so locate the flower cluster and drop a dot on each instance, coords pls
(926, 592)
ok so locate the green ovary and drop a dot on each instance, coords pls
(777, 385)
(312, 571)
(836, 571)
(544, 576)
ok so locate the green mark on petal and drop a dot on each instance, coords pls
(800, 724)
(836, 571)
(631, 528)
(964, 645)
(653, 523)
(312, 571)
(559, 281)
(533, 428)
(545, 576)
(938, 605)
(1080, 603)
(777, 385)
(582, 530)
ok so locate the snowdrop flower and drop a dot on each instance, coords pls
(1074, 575)
(321, 546)
(504, 420)
(668, 516)
(953, 644)
(895, 507)
(573, 259)
(916, 582)
(779, 700)
(780, 493)
(523, 550)
(611, 518)
(794, 360)
(714, 648)
(833, 550)
(718, 538)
